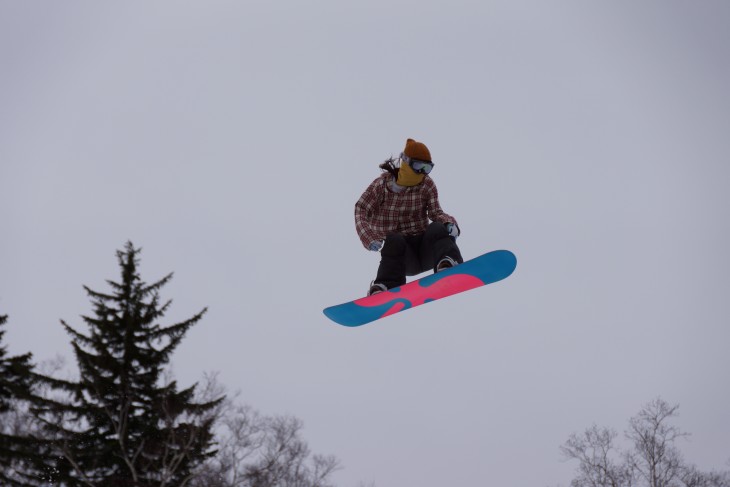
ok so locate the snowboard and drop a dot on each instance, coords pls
(479, 271)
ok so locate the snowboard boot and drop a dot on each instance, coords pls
(446, 263)
(376, 288)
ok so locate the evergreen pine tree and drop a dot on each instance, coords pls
(18, 450)
(121, 424)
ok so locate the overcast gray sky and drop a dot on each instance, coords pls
(230, 140)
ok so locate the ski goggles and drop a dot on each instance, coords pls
(419, 167)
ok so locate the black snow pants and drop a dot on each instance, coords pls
(403, 256)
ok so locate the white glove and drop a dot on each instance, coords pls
(375, 245)
(453, 230)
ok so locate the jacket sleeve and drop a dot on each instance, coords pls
(365, 208)
(433, 207)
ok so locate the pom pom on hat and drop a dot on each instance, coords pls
(417, 150)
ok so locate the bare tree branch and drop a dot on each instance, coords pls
(653, 460)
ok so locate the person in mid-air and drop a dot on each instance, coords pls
(399, 215)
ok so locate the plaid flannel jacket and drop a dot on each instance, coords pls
(380, 211)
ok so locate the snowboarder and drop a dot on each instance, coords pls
(399, 215)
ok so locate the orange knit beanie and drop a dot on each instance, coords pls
(417, 150)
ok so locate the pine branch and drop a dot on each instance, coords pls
(117, 420)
